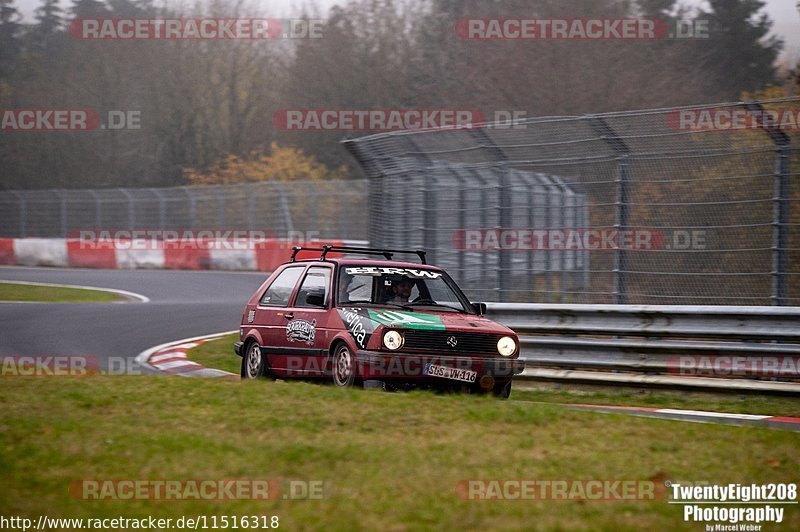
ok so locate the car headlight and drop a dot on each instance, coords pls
(506, 346)
(393, 340)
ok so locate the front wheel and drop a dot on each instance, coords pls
(502, 390)
(254, 363)
(344, 366)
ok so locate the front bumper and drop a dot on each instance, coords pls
(380, 365)
(237, 348)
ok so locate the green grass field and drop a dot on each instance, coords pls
(387, 461)
(219, 354)
(54, 294)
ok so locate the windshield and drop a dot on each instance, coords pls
(401, 287)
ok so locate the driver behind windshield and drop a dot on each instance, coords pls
(401, 288)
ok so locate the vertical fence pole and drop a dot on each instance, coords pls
(548, 255)
(586, 260)
(251, 206)
(462, 225)
(287, 213)
(429, 215)
(780, 200)
(781, 197)
(429, 198)
(192, 207)
(504, 256)
(162, 208)
(131, 213)
(780, 228)
(23, 215)
(220, 207)
(499, 157)
(622, 201)
(62, 212)
(23, 218)
(97, 207)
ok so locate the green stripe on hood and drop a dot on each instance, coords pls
(409, 320)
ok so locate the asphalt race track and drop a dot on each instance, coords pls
(182, 304)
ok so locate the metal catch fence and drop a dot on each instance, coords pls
(665, 206)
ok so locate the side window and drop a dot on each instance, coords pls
(279, 292)
(314, 290)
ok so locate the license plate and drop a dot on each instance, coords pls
(464, 375)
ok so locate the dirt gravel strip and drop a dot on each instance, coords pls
(171, 358)
(697, 416)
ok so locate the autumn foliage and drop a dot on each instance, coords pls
(282, 163)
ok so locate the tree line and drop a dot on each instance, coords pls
(203, 103)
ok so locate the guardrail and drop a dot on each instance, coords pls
(653, 345)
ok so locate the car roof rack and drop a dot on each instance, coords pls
(387, 253)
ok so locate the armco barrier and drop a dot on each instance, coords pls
(740, 348)
(61, 252)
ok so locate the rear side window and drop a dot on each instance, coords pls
(279, 292)
(316, 284)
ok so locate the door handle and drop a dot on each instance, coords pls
(288, 315)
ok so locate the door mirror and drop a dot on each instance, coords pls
(480, 308)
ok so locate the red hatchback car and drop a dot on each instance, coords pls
(406, 325)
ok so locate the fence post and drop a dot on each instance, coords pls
(429, 198)
(780, 200)
(622, 201)
(251, 206)
(780, 231)
(131, 214)
(462, 225)
(62, 212)
(548, 255)
(429, 211)
(287, 213)
(220, 195)
(97, 207)
(367, 159)
(504, 205)
(620, 224)
(162, 208)
(190, 195)
(23, 214)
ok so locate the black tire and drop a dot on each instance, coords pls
(502, 390)
(343, 366)
(254, 364)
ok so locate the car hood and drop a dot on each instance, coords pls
(372, 318)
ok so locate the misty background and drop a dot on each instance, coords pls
(207, 107)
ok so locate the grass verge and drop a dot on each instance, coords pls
(54, 294)
(387, 461)
(219, 354)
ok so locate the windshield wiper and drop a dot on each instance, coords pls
(356, 302)
(405, 306)
(432, 303)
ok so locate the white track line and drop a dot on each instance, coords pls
(134, 295)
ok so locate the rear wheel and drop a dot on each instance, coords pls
(254, 363)
(344, 366)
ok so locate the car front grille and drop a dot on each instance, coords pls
(450, 342)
